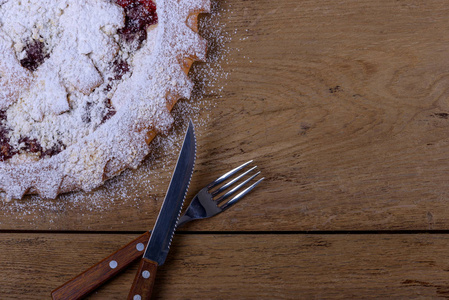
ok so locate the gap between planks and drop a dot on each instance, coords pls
(262, 232)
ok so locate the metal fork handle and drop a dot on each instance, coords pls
(184, 219)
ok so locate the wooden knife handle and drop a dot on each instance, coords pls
(144, 281)
(92, 278)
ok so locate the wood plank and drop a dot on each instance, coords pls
(241, 266)
(343, 104)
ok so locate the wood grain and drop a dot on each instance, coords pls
(342, 104)
(289, 266)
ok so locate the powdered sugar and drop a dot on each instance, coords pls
(99, 150)
(133, 187)
(80, 54)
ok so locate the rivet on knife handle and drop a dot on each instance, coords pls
(144, 281)
(86, 282)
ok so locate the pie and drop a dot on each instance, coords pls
(85, 85)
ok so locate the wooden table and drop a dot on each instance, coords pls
(344, 106)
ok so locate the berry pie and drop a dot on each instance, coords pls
(85, 85)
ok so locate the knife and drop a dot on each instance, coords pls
(92, 278)
(159, 244)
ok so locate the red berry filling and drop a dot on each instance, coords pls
(139, 15)
(121, 67)
(6, 150)
(110, 111)
(34, 55)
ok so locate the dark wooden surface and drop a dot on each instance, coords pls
(243, 266)
(343, 105)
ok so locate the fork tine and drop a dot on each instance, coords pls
(227, 175)
(242, 194)
(235, 189)
(231, 182)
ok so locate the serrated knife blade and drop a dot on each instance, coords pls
(159, 244)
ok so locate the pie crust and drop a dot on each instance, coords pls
(142, 105)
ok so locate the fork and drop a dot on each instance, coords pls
(209, 202)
